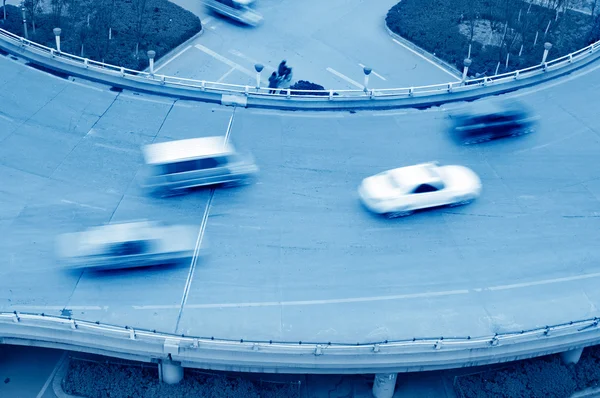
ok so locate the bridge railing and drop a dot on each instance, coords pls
(301, 95)
(191, 348)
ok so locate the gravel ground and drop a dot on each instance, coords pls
(95, 379)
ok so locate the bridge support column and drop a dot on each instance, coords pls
(385, 384)
(170, 372)
(571, 356)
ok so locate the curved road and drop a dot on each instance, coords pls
(294, 257)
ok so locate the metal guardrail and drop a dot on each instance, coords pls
(214, 353)
(288, 94)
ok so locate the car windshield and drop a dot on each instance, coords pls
(393, 181)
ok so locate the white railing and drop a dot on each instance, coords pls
(312, 95)
(412, 346)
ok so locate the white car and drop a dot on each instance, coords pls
(399, 192)
(127, 245)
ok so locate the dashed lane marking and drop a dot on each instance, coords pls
(172, 59)
(225, 75)
(374, 73)
(346, 78)
(374, 298)
(225, 60)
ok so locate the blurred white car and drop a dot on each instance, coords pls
(127, 245)
(399, 192)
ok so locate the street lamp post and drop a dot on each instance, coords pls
(466, 63)
(547, 47)
(367, 72)
(25, 23)
(57, 32)
(258, 68)
(151, 55)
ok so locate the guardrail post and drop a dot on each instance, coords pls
(485, 80)
(288, 95)
(258, 68)
(52, 51)
(162, 80)
(122, 72)
(466, 63)
(73, 324)
(57, 32)
(330, 94)
(151, 55)
(16, 318)
(410, 92)
(547, 47)
(570, 58)
(367, 71)
(371, 93)
(450, 87)
(203, 85)
(86, 62)
(247, 90)
(516, 75)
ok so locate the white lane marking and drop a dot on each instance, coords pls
(297, 114)
(308, 302)
(172, 59)
(251, 60)
(114, 148)
(225, 60)
(198, 247)
(139, 97)
(427, 59)
(548, 143)
(389, 113)
(374, 73)
(88, 86)
(207, 20)
(225, 75)
(60, 362)
(82, 205)
(375, 298)
(17, 307)
(346, 78)
(544, 282)
(6, 118)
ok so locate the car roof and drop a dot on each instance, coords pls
(410, 177)
(491, 107)
(119, 233)
(188, 149)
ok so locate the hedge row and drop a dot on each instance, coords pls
(100, 380)
(434, 26)
(545, 377)
(165, 26)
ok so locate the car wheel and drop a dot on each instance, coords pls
(397, 214)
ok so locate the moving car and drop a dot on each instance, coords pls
(239, 10)
(127, 245)
(399, 192)
(491, 119)
(174, 166)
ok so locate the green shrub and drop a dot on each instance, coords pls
(434, 26)
(166, 26)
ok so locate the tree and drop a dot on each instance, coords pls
(140, 11)
(57, 7)
(33, 8)
(4, 9)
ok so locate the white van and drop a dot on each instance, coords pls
(178, 165)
